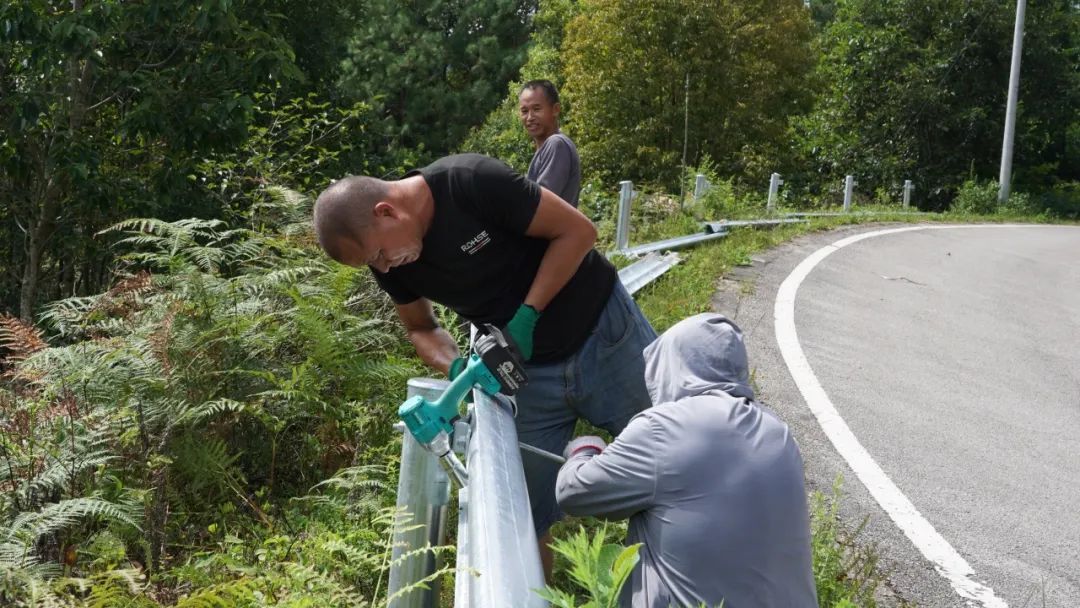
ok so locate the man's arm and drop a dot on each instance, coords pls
(618, 482)
(433, 343)
(571, 236)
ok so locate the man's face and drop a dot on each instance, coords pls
(391, 240)
(539, 116)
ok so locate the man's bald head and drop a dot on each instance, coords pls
(345, 209)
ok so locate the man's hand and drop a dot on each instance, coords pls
(586, 444)
(521, 329)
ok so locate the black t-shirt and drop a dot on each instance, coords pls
(477, 260)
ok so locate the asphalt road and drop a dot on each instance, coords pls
(953, 355)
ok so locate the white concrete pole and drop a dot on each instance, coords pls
(1005, 177)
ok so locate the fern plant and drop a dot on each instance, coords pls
(221, 360)
(598, 568)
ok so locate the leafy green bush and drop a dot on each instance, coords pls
(982, 199)
(720, 200)
(1062, 200)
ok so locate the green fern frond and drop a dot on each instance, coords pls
(149, 225)
(29, 526)
(61, 469)
(223, 595)
(25, 588)
(351, 479)
(143, 240)
(198, 414)
(289, 276)
(280, 196)
(64, 315)
(422, 584)
(336, 592)
(246, 250)
(119, 588)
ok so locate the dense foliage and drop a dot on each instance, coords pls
(435, 68)
(224, 373)
(916, 90)
(729, 74)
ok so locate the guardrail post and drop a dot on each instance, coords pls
(701, 186)
(908, 187)
(849, 185)
(423, 493)
(774, 186)
(622, 228)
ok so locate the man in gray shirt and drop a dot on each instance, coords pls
(555, 165)
(711, 480)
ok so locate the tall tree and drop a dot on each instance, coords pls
(501, 135)
(104, 105)
(627, 68)
(435, 68)
(918, 88)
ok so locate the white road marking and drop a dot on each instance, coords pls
(948, 562)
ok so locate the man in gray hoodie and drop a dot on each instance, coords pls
(712, 481)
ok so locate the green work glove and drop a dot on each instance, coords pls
(521, 329)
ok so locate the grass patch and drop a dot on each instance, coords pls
(846, 572)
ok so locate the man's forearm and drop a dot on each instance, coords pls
(436, 347)
(560, 262)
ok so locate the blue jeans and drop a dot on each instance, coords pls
(603, 382)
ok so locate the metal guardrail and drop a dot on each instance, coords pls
(646, 270)
(498, 562)
(675, 243)
(724, 225)
(423, 497)
(500, 565)
(853, 213)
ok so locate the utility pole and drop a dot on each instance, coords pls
(1005, 177)
(685, 136)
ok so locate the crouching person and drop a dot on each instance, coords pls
(712, 482)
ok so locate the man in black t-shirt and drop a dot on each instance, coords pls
(471, 234)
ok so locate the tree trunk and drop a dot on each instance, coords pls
(31, 272)
(40, 229)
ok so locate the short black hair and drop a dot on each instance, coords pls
(344, 210)
(546, 86)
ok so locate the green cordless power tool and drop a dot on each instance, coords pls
(495, 366)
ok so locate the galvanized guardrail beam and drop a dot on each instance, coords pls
(646, 270)
(502, 566)
(853, 213)
(724, 225)
(675, 243)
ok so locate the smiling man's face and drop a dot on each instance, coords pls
(539, 116)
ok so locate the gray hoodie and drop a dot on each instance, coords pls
(712, 482)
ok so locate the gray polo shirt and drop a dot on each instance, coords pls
(556, 166)
(712, 482)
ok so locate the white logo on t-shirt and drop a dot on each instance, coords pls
(476, 243)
